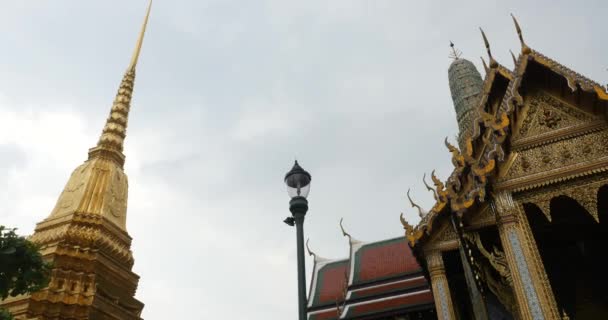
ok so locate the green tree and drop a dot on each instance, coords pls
(22, 269)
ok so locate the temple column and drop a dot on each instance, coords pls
(531, 286)
(441, 290)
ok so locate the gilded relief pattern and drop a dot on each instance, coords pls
(546, 113)
(584, 191)
(559, 154)
(67, 202)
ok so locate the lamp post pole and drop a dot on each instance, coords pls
(298, 207)
(298, 186)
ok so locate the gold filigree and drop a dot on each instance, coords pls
(559, 154)
(583, 191)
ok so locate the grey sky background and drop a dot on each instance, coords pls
(227, 94)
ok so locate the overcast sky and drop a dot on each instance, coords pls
(227, 94)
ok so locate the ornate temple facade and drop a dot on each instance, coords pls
(518, 229)
(85, 236)
(377, 281)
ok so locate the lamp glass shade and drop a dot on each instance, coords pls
(297, 181)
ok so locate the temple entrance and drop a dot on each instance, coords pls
(458, 285)
(572, 247)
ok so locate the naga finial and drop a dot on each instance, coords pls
(408, 227)
(421, 212)
(344, 233)
(485, 65)
(513, 57)
(524, 46)
(493, 63)
(310, 253)
(436, 180)
(450, 146)
(455, 54)
(429, 188)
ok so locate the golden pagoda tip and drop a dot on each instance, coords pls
(140, 39)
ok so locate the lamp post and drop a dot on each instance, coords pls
(298, 186)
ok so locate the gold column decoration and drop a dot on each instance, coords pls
(439, 283)
(531, 286)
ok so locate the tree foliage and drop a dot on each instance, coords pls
(5, 315)
(22, 269)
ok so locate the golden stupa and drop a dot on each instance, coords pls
(85, 236)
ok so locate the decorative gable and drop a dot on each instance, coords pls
(546, 113)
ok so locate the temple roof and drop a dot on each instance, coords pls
(378, 278)
(381, 260)
(328, 283)
(484, 152)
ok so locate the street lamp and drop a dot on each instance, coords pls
(298, 186)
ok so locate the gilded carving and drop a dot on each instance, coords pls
(546, 113)
(68, 200)
(559, 154)
(584, 191)
(496, 258)
(116, 198)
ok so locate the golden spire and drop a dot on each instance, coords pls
(493, 63)
(112, 138)
(140, 40)
(524, 47)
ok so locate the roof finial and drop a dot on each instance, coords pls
(524, 46)
(455, 54)
(513, 57)
(429, 188)
(110, 144)
(140, 40)
(493, 63)
(421, 212)
(310, 253)
(485, 65)
(344, 233)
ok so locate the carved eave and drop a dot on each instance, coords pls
(485, 157)
(494, 88)
(575, 79)
(577, 83)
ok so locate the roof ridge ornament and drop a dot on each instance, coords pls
(493, 63)
(485, 65)
(351, 239)
(310, 253)
(455, 54)
(514, 59)
(344, 233)
(429, 188)
(524, 47)
(421, 212)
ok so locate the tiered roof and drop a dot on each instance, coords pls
(484, 153)
(378, 278)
